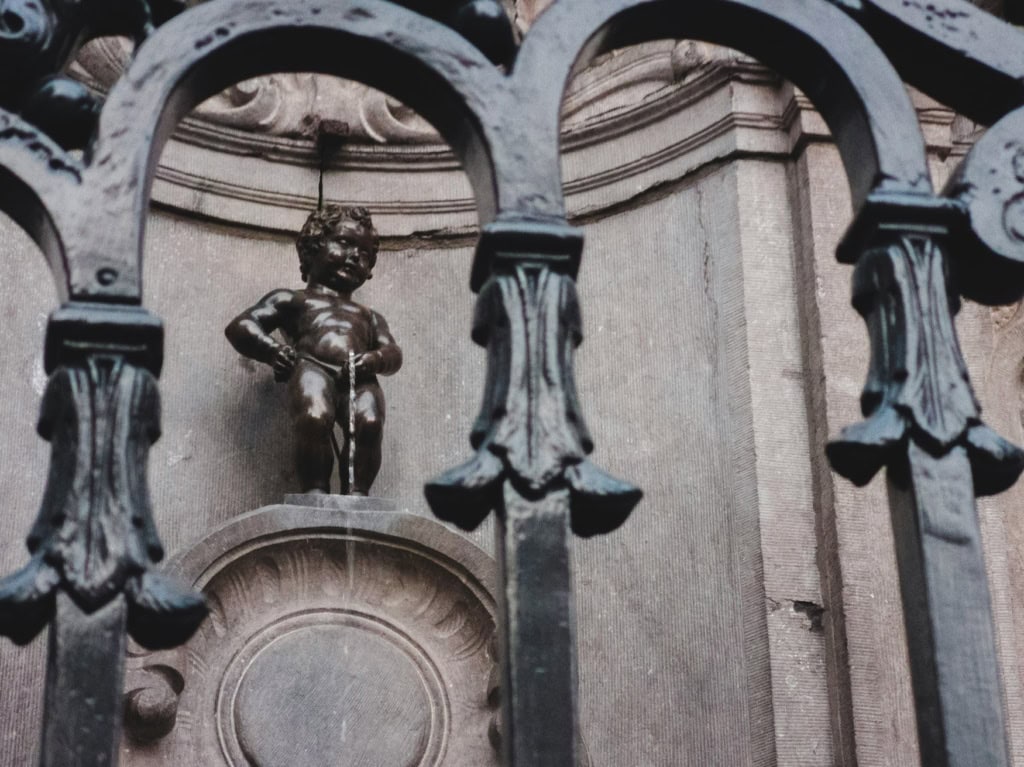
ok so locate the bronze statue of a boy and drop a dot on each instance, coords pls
(327, 334)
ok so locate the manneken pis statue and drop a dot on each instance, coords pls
(327, 335)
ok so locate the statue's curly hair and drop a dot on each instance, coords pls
(323, 221)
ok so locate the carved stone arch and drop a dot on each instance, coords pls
(419, 61)
(819, 48)
(38, 184)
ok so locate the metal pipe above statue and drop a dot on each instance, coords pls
(331, 352)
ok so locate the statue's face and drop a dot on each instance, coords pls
(342, 262)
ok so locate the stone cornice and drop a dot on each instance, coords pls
(637, 120)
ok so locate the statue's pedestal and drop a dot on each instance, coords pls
(343, 502)
(339, 625)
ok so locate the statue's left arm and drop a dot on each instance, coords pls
(385, 357)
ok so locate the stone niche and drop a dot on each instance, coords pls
(344, 632)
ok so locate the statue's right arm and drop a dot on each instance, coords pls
(250, 332)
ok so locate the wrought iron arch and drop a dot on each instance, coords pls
(38, 183)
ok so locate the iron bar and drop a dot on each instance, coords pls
(538, 631)
(84, 685)
(947, 611)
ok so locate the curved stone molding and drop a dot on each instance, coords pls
(351, 627)
(288, 104)
(682, 106)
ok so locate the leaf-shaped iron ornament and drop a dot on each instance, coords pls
(530, 430)
(917, 387)
(94, 537)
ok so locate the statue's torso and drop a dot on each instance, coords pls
(328, 327)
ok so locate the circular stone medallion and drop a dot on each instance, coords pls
(318, 695)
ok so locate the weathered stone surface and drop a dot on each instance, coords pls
(24, 462)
